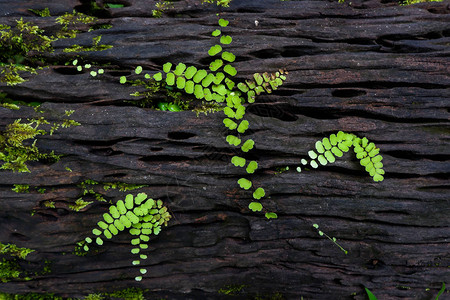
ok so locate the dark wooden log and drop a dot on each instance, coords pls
(375, 69)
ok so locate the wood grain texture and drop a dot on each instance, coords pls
(377, 70)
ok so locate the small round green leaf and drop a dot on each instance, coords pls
(251, 167)
(228, 56)
(230, 70)
(230, 124)
(99, 241)
(167, 67)
(238, 161)
(123, 79)
(245, 183)
(259, 193)
(189, 88)
(225, 39)
(223, 23)
(215, 65)
(181, 82)
(271, 215)
(179, 69)
(138, 70)
(214, 50)
(199, 76)
(248, 145)
(170, 79)
(243, 126)
(216, 32)
(157, 76)
(255, 206)
(190, 72)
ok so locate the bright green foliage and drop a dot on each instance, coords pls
(245, 183)
(228, 56)
(141, 215)
(243, 126)
(238, 161)
(271, 215)
(255, 206)
(336, 145)
(233, 140)
(138, 70)
(259, 193)
(216, 32)
(13, 250)
(370, 295)
(41, 13)
(15, 149)
(225, 39)
(214, 50)
(223, 23)
(251, 167)
(230, 124)
(248, 145)
(96, 46)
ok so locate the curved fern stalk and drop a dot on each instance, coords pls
(141, 216)
(328, 148)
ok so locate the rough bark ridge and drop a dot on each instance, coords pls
(374, 69)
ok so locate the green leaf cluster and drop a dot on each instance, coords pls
(140, 215)
(327, 149)
(262, 83)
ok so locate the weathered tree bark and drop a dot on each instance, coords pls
(373, 69)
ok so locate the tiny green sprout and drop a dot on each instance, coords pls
(214, 50)
(167, 67)
(147, 76)
(230, 70)
(79, 68)
(75, 62)
(316, 226)
(252, 166)
(243, 126)
(123, 79)
(87, 66)
(138, 70)
(238, 161)
(271, 215)
(216, 32)
(370, 294)
(223, 23)
(255, 206)
(259, 193)
(225, 39)
(93, 73)
(100, 71)
(245, 183)
(248, 145)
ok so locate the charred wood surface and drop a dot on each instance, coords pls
(374, 69)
